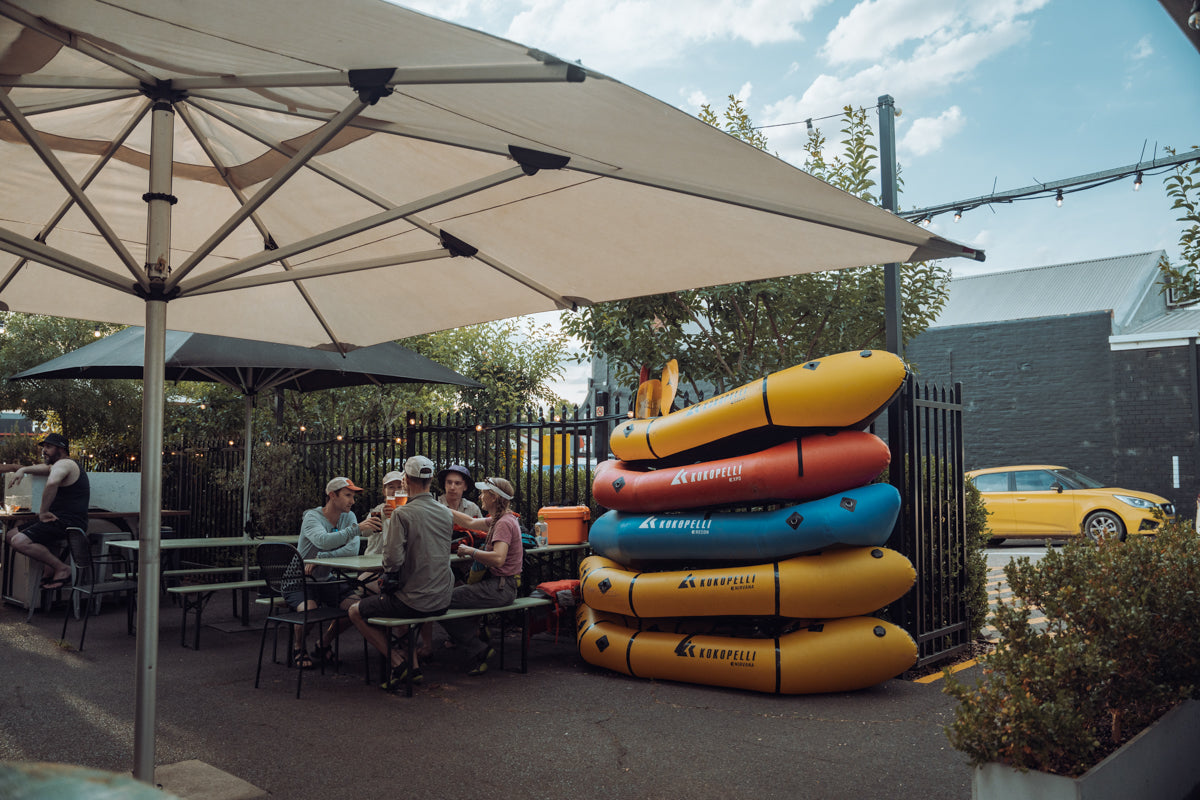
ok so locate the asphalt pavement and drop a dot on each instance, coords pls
(565, 729)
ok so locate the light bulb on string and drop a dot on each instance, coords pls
(96, 332)
(958, 214)
(1058, 198)
(1137, 182)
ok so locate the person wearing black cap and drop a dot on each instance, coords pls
(65, 499)
(455, 479)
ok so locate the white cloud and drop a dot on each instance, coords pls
(620, 36)
(875, 28)
(918, 48)
(1143, 49)
(697, 98)
(926, 135)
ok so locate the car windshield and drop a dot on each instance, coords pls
(1076, 480)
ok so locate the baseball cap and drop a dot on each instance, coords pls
(338, 484)
(56, 439)
(418, 467)
(394, 475)
(460, 469)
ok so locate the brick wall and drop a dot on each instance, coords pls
(1051, 391)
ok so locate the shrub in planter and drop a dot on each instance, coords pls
(1118, 651)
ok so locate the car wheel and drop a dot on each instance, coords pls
(1103, 525)
(995, 540)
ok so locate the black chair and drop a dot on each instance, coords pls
(92, 577)
(282, 568)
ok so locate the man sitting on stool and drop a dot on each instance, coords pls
(65, 499)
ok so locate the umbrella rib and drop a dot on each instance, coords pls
(399, 212)
(86, 181)
(294, 274)
(78, 102)
(33, 250)
(34, 138)
(554, 72)
(320, 138)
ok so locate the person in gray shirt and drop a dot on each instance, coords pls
(416, 563)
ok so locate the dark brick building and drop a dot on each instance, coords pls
(1082, 365)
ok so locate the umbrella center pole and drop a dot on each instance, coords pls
(159, 201)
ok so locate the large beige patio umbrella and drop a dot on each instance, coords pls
(340, 174)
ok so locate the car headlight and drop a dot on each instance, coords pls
(1136, 502)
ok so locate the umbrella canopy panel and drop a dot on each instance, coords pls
(360, 172)
(250, 367)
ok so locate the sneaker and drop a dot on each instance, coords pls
(395, 681)
(479, 664)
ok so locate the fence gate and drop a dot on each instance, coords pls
(925, 434)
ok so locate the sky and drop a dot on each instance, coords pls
(993, 96)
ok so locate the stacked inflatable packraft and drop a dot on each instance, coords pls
(673, 573)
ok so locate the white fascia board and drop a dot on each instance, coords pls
(1145, 341)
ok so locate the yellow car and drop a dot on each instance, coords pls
(1041, 501)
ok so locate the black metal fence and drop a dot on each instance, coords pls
(551, 460)
(931, 530)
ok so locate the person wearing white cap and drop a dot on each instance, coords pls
(416, 563)
(393, 482)
(500, 557)
(327, 531)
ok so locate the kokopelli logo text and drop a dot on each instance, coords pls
(694, 525)
(736, 658)
(731, 474)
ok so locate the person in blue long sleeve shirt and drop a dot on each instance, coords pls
(328, 531)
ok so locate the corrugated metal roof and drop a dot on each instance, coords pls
(1122, 285)
(1184, 322)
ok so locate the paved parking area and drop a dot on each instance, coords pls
(564, 730)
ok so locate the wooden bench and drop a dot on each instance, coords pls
(521, 604)
(193, 598)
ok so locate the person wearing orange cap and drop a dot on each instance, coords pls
(328, 531)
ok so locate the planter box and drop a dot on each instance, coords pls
(1160, 763)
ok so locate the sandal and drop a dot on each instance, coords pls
(323, 654)
(302, 659)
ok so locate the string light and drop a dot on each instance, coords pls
(958, 214)
(1137, 182)
(1044, 190)
(96, 332)
(1058, 198)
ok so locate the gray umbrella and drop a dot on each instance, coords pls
(248, 366)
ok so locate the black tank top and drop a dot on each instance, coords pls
(70, 505)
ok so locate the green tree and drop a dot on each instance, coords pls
(516, 360)
(1183, 187)
(727, 335)
(86, 411)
